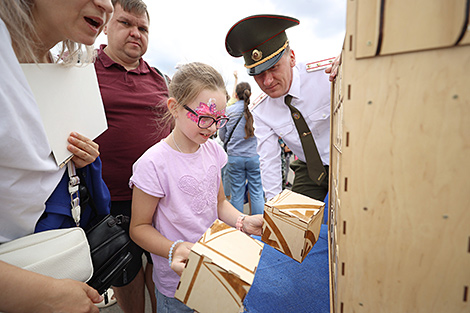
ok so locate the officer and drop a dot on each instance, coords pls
(295, 105)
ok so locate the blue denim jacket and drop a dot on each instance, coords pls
(238, 145)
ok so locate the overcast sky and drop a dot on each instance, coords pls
(184, 31)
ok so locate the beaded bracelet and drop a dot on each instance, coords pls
(239, 224)
(170, 254)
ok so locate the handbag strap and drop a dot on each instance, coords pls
(231, 133)
(85, 193)
(74, 182)
(165, 78)
(119, 219)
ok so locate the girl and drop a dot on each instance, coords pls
(178, 191)
(243, 161)
(28, 30)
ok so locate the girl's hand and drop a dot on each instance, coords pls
(84, 149)
(180, 256)
(253, 224)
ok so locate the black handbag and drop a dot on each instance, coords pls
(109, 244)
(109, 254)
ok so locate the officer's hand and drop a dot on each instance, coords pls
(333, 69)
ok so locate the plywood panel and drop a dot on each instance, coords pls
(466, 32)
(367, 26)
(336, 133)
(390, 27)
(466, 38)
(399, 202)
(422, 24)
(406, 247)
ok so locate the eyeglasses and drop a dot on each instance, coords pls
(206, 121)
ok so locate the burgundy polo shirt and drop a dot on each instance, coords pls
(133, 101)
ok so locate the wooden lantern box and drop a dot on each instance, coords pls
(292, 223)
(220, 270)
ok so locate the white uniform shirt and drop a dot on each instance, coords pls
(272, 119)
(28, 172)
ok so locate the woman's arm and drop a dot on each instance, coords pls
(25, 291)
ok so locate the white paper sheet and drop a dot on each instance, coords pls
(69, 100)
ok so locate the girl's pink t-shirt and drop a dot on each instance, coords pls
(187, 185)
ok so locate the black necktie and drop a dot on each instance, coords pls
(315, 167)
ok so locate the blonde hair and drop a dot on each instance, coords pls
(191, 79)
(18, 18)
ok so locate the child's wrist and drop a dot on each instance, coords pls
(240, 221)
(170, 253)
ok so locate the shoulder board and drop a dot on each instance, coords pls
(319, 65)
(257, 101)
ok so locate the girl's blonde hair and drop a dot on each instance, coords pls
(191, 79)
(18, 18)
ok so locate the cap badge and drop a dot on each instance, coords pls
(256, 55)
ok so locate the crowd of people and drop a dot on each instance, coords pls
(162, 170)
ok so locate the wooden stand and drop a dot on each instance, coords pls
(399, 218)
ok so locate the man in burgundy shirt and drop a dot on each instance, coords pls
(134, 96)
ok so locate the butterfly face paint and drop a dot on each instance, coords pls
(203, 115)
(209, 109)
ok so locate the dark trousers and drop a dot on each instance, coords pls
(304, 185)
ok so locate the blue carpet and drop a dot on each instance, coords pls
(284, 285)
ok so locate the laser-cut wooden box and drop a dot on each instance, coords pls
(292, 223)
(220, 270)
(400, 159)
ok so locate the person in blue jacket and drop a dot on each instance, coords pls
(244, 167)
